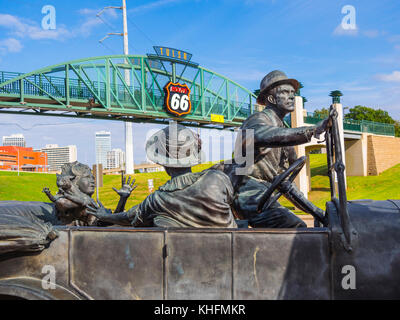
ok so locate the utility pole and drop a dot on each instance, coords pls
(129, 166)
(129, 163)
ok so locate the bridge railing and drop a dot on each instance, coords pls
(56, 87)
(386, 129)
(97, 87)
(5, 75)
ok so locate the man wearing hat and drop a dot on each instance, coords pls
(273, 153)
(199, 200)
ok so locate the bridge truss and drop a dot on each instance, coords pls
(97, 88)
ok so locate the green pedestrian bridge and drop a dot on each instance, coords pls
(131, 88)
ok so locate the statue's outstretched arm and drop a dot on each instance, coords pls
(272, 137)
(49, 195)
(106, 215)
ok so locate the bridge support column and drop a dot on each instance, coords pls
(357, 156)
(129, 169)
(297, 120)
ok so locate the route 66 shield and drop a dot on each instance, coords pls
(177, 98)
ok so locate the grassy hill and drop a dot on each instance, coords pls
(28, 186)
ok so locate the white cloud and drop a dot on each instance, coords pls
(92, 20)
(24, 28)
(88, 25)
(28, 29)
(391, 77)
(340, 31)
(10, 45)
(394, 38)
(371, 33)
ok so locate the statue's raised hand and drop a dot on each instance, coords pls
(46, 190)
(48, 194)
(127, 188)
(99, 211)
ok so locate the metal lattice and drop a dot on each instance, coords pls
(124, 88)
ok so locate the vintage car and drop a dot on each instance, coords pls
(356, 255)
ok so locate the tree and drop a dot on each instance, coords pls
(300, 87)
(322, 113)
(366, 113)
(397, 128)
(376, 115)
(256, 92)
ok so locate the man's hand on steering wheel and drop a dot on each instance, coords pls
(322, 126)
(281, 182)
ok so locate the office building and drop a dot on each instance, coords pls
(17, 140)
(149, 167)
(22, 159)
(103, 146)
(115, 159)
(57, 156)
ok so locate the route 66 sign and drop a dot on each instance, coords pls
(177, 98)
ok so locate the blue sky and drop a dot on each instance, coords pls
(243, 40)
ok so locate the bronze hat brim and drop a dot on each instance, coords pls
(186, 162)
(263, 94)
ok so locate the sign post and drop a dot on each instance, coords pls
(150, 183)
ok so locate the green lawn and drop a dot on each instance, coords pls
(28, 186)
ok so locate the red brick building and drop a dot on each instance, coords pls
(12, 157)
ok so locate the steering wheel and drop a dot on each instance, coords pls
(288, 176)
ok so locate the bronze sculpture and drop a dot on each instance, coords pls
(355, 256)
(76, 187)
(201, 199)
(273, 154)
(28, 225)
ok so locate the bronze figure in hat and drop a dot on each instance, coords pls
(273, 153)
(197, 200)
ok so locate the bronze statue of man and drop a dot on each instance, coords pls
(197, 200)
(273, 153)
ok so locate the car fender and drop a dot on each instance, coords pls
(31, 289)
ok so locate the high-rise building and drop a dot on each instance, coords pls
(57, 156)
(115, 159)
(17, 140)
(103, 145)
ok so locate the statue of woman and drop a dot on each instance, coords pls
(76, 186)
(28, 225)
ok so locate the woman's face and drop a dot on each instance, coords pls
(86, 183)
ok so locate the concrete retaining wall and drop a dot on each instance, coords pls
(383, 153)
